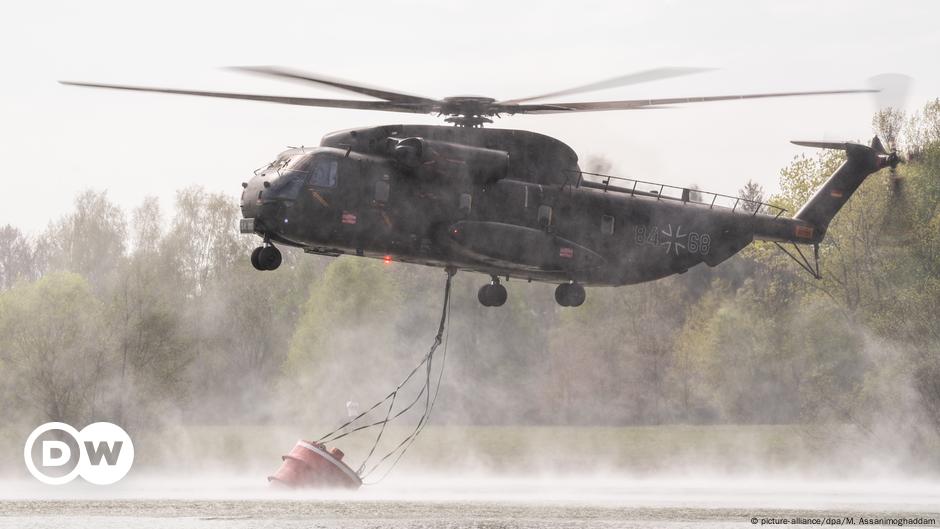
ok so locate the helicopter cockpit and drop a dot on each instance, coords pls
(286, 176)
(317, 169)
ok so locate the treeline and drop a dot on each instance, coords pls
(142, 319)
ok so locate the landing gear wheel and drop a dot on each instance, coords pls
(570, 295)
(254, 258)
(483, 295)
(268, 258)
(492, 295)
(561, 294)
(499, 295)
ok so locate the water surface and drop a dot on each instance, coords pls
(466, 501)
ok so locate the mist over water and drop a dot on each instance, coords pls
(699, 491)
(467, 500)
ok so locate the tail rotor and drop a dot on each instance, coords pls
(888, 123)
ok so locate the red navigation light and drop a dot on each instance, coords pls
(387, 259)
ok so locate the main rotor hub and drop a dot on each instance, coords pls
(468, 111)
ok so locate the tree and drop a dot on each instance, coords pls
(89, 241)
(799, 180)
(57, 351)
(751, 195)
(923, 128)
(16, 257)
(346, 339)
(147, 227)
(203, 240)
(889, 125)
(247, 322)
(146, 314)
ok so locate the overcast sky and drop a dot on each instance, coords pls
(57, 140)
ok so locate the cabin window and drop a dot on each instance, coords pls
(382, 190)
(607, 225)
(466, 201)
(545, 215)
(324, 172)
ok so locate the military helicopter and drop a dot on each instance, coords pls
(509, 203)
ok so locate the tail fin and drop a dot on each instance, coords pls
(860, 162)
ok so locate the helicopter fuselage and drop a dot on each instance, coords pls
(507, 203)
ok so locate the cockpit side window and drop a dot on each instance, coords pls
(324, 172)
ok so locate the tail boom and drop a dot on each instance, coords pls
(810, 223)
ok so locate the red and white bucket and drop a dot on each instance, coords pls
(312, 465)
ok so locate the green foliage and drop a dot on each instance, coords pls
(803, 176)
(55, 349)
(866, 331)
(347, 335)
(350, 290)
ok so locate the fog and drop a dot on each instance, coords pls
(741, 386)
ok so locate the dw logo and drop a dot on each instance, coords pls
(55, 453)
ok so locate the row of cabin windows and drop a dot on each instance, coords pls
(382, 190)
(545, 219)
(324, 174)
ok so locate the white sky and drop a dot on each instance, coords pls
(57, 140)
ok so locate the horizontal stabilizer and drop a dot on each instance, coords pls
(838, 145)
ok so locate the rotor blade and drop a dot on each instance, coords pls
(564, 108)
(352, 86)
(644, 76)
(285, 100)
(645, 103)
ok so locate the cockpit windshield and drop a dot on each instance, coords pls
(279, 163)
(319, 170)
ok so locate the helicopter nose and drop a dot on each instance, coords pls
(251, 206)
(252, 193)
